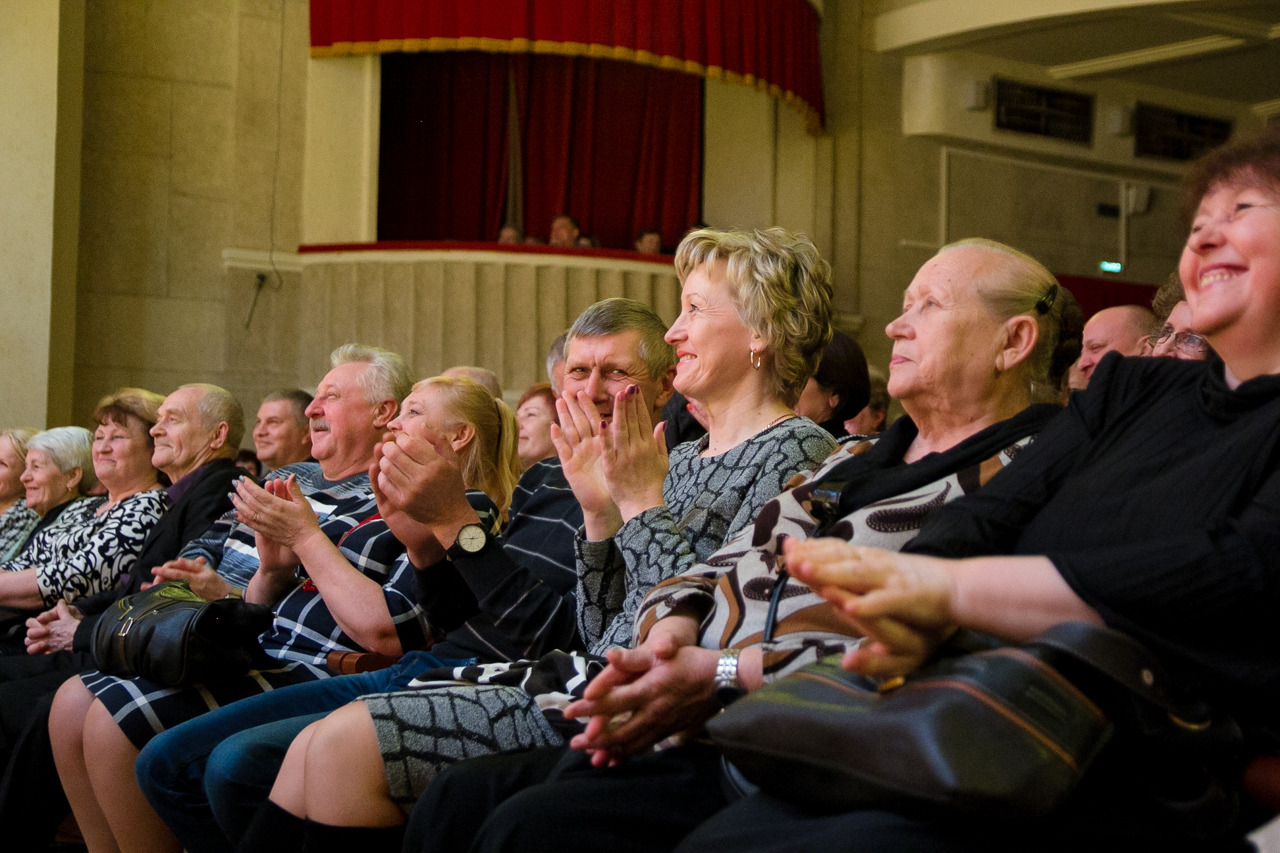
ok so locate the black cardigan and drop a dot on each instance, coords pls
(1156, 495)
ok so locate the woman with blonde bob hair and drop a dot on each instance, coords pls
(777, 284)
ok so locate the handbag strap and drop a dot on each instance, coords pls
(1123, 660)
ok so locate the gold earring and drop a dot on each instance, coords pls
(754, 358)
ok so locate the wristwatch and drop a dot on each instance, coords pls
(471, 540)
(728, 686)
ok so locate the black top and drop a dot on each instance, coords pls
(514, 599)
(1156, 495)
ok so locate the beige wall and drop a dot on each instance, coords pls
(41, 66)
(181, 135)
(497, 309)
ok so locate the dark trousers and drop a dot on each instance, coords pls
(554, 800)
(32, 804)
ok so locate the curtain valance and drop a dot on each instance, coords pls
(769, 44)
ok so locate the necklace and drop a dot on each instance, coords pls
(785, 416)
(711, 451)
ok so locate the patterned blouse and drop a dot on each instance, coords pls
(707, 500)
(16, 524)
(82, 553)
(730, 593)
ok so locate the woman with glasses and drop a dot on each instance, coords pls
(1175, 338)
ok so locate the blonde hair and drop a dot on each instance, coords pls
(1022, 285)
(490, 462)
(781, 287)
(19, 437)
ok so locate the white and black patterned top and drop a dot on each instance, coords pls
(707, 500)
(16, 525)
(888, 501)
(82, 553)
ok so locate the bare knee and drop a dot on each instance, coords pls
(67, 716)
(346, 731)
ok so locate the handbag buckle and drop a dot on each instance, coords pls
(128, 623)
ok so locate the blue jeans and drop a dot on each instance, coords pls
(207, 777)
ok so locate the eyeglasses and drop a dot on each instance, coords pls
(1188, 342)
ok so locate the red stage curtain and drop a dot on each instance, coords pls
(442, 164)
(616, 145)
(1094, 294)
(769, 44)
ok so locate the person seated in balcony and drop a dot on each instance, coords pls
(564, 232)
(649, 242)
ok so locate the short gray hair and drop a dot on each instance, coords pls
(219, 406)
(300, 400)
(617, 315)
(386, 378)
(556, 353)
(68, 447)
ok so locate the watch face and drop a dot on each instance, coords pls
(471, 538)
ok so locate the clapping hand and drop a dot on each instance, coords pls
(579, 439)
(662, 687)
(635, 460)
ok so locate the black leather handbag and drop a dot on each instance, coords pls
(1003, 732)
(170, 635)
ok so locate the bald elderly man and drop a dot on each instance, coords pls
(1123, 328)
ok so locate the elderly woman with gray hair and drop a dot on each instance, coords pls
(93, 541)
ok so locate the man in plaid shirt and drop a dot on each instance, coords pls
(366, 602)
